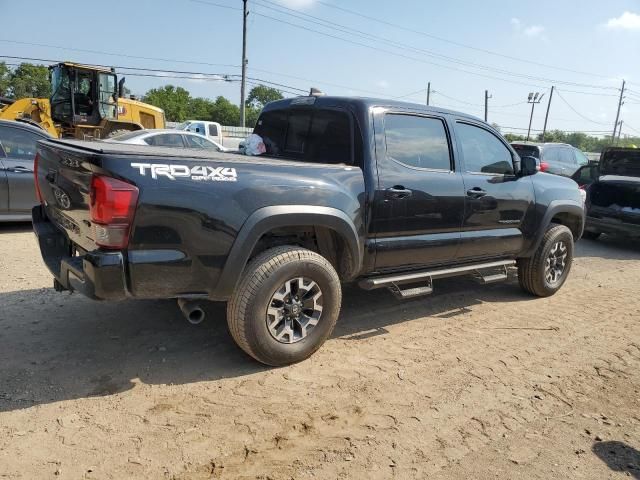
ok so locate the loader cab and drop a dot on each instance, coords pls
(82, 95)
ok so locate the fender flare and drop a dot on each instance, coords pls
(555, 207)
(267, 218)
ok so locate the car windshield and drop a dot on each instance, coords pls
(527, 150)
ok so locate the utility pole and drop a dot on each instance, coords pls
(546, 117)
(619, 131)
(534, 98)
(486, 103)
(243, 84)
(428, 93)
(620, 103)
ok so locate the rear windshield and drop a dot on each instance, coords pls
(311, 135)
(128, 136)
(621, 162)
(527, 150)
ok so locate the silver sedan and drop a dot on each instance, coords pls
(168, 138)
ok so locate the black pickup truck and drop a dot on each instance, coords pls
(612, 193)
(375, 192)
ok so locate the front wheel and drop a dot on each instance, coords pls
(285, 306)
(546, 271)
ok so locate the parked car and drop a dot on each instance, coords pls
(168, 138)
(17, 152)
(612, 193)
(375, 192)
(212, 131)
(557, 158)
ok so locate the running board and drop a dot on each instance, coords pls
(393, 281)
(410, 292)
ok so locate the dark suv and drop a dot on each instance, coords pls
(557, 158)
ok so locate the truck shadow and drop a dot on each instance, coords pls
(15, 227)
(58, 347)
(619, 457)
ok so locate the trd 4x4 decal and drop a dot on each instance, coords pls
(199, 172)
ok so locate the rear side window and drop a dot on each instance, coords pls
(581, 158)
(310, 135)
(166, 140)
(18, 143)
(551, 155)
(416, 141)
(527, 150)
(199, 142)
(483, 152)
(213, 130)
(565, 156)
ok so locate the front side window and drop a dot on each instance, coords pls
(18, 144)
(415, 141)
(166, 140)
(483, 152)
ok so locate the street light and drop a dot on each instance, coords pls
(533, 99)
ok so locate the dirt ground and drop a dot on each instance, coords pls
(472, 382)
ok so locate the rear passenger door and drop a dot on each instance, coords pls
(19, 145)
(419, 200)
(499, 206)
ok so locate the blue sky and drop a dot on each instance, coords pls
(599, 39)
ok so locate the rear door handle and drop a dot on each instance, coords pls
(398, 191)
(476, 192)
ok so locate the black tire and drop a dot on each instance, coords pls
(261, 280)
(532, 273)
(591, 235)
(115, 133)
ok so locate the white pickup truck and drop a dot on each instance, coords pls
(229, 137)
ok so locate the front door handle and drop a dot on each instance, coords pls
(20, 169)
(398, 191)
(476, 192)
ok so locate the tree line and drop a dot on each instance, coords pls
(29, 80)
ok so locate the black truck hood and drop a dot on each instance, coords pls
(620, 162)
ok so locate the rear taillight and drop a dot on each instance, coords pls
(544, 166)
(113, 205)
(35, 177)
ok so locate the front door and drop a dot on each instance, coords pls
(419, 200)
(498, 204)
(19, 146)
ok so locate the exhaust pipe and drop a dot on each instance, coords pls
(191, 310)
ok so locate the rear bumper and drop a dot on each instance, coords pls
(98, 275)
(612, 226)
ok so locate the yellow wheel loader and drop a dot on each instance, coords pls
(86, 102)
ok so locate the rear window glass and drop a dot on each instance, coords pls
(128, 136)
(310, 135)
(527, 150)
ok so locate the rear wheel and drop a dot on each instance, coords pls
(546, 271)
(590, 235)
(285, 306)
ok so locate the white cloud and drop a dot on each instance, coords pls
(533, 31)
(383, 84)
(516, 23)
(626, 21)
(297, 4)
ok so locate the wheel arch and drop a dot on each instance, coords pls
(571, 215)
(267, 219)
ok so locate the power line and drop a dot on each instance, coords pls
(576, 112)
(351, 31)
(415, 59)
(478, 49)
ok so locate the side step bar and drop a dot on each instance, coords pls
(393, 282)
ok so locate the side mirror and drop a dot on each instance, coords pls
(528, 166)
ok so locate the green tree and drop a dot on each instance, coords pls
(260, 95)
(173, 100)
(225, 112)
(5, 79)
(29, 80)
(200, 109)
